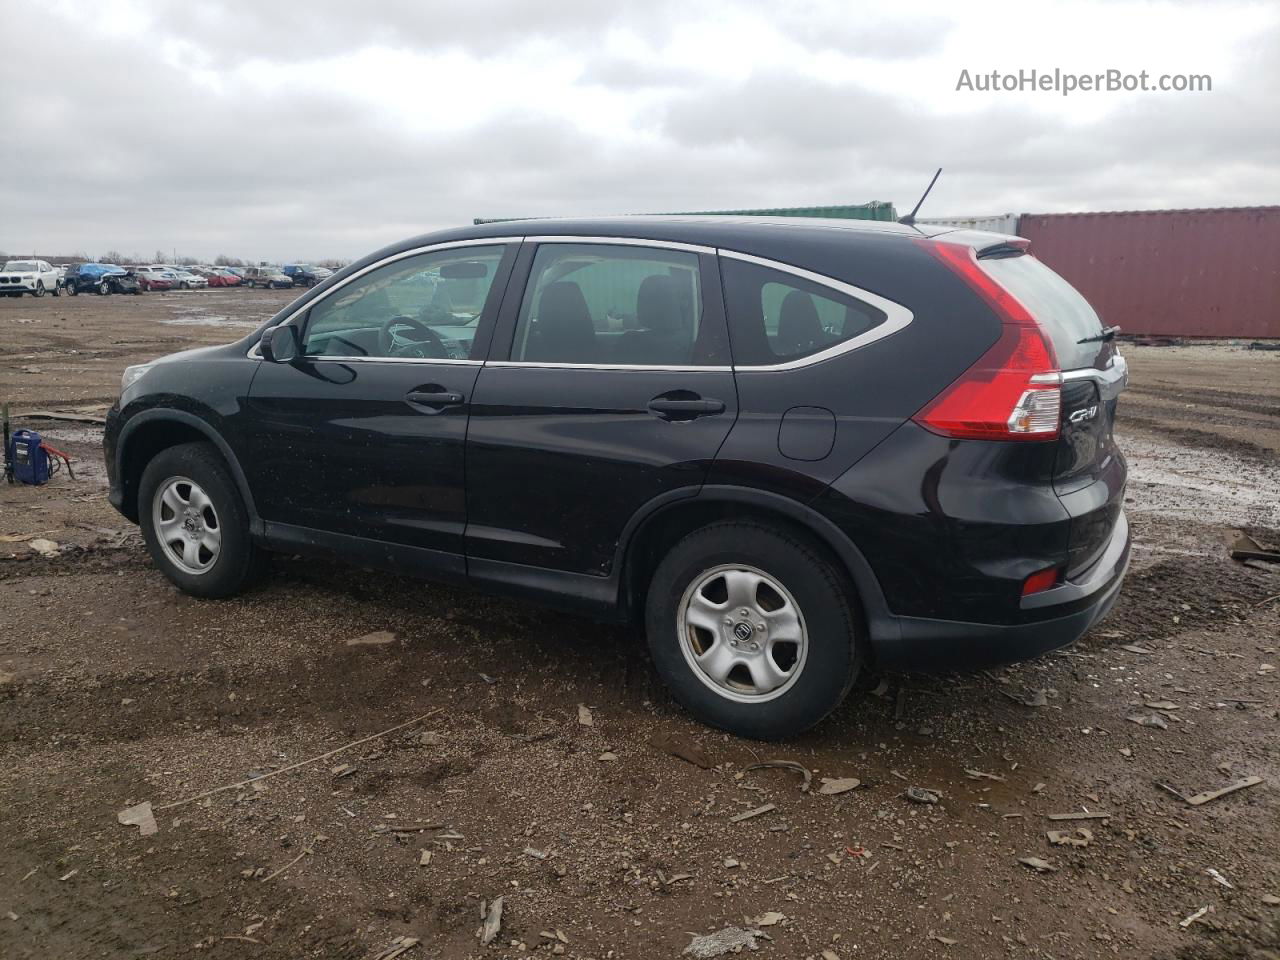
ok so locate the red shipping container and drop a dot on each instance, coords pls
(1182, 273)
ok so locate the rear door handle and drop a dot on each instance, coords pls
(436, 398)
(669, 409)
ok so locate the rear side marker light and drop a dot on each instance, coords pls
(1040, 581)
(1014, 390)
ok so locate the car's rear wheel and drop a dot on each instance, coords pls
(72, 289)
(753, 629)
(57, 290)
(195, 523)
(39, 290)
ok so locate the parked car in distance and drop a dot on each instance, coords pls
(222, 278)
(792, 450)
(304, 274)
(267, 277)
(184, 279)
(153, 278)
(36, 277)
(100, 278)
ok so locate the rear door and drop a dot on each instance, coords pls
(609, 388)
(362, 434)
(1089, 469)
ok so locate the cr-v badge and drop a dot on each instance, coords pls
(1085, 413)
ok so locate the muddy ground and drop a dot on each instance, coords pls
(116, 689)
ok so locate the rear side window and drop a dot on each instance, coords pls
(777, 317)
(1063, 314)
(611, 305)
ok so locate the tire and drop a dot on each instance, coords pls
(39, 290)
(72, 290)
(103, 289)
(810, 677)
(137, 291)
(57, 291)
(176, 476)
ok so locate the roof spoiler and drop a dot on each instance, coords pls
(987, 246)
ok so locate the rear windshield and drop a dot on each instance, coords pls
(1063, 314)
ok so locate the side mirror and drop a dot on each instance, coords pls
(279, 344)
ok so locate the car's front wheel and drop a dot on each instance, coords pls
(753, 629)
(103, 289)
(195, 523)
(57, 290)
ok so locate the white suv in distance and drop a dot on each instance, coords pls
(35, 277)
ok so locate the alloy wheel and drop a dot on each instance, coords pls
(186, 525)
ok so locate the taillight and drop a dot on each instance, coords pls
(1014, 390)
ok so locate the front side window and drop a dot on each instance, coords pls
(609, 305)
(422, 307)
(777, 317)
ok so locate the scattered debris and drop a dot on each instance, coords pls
(1220, 878)
(271, 876)
(584, 716)
(681, 747)
(1271, 900)
(342, 770)
(979, 775)
(747, 815)
(1188, 921)
(397, 947)
(730, 863)
(1148, 720)
(300, 763)
(728, 940)
(424, 858)
(945, 941)
(490, 921)
(1202, 798)
(67, 876)
(1135, 648)
(1038, 864)
(46, 548)
(1032, 698)
(1085, 815)
(920, 795)
(488, 679)
(834, 786)
(1246, 548)
(139, 815)
(1060, 838)
(768, 919)
(608, 756)
(799, 768)
(379, 638)
(536, 854)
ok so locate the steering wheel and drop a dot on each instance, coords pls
(392, 344)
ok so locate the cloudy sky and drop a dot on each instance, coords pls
(327, 128)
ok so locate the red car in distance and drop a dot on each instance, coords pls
(153, 278)
(222, 278)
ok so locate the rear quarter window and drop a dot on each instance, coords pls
(1064, 315)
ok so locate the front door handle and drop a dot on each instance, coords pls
(685, 409)
(433, 397)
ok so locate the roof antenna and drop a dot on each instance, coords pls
(910, 218)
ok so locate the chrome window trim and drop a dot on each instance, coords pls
(897, 317)
(650, 367)
(626, 242)
(255, 354)
(1117, 369)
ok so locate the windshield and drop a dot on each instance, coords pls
(24, 266)
(1057, 306)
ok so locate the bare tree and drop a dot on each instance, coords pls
(112, 256)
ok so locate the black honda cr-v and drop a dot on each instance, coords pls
(789, 448)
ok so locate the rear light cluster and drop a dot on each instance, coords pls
(1014, 390)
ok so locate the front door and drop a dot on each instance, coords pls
(362, 434)
(615, 392)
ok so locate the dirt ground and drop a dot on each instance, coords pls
(603, 843)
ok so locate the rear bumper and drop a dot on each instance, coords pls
(1069, 610)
